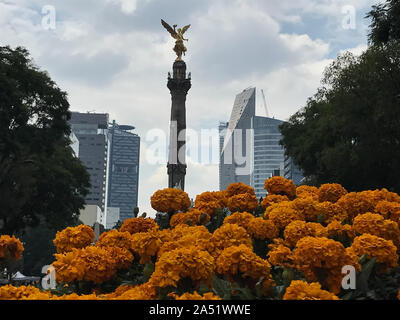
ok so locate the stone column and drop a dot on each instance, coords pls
(179, 86)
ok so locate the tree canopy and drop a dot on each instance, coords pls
(39, 175)
(385, 25)
(349, 131)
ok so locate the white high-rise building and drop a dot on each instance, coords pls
(249, 146)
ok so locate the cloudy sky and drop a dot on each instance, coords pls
(113, 56)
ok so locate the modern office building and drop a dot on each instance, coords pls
(257, 142)
(268, 154)
(223, 126)
(91, 129)
(112, 217)
(123, 169)
(74, 144)
(235, 158)
(292, 172)
(91, 214)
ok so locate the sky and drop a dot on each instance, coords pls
(113, 56)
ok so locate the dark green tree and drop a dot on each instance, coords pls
(39, 175)
(385, 22)
(349, 132)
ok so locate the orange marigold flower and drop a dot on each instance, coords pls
(208, 202)
(281, 214)
(136, 225)
(74, 238)
(298, 229)
(10, 248)
(336, 231)
(376, 225)
(146, 245)
(228, 235)
(101, 264)
(195, 296)
(9, 292)
(74, 296)
(355, 203)
(385, 194)
(115, 238)
(192, 236)
(389, 210)
(301, 290)
(145, 291)
(307, 191)
(93, 264)
(243, 202)
(271, 199)
(316, 256)
(192, 217)
(69, 266)
(189, 262)
(280, 185)
(281, 256)
(331, 192)
(375, 247)
(242, 259)
(262, 229)
(332, 212)
(242, 219)
(376, 196)
(307, 207)
(121, 258)
(170, 200)
(238, 188)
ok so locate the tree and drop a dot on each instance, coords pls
(385, 25)
(39, 175)
(349, 132)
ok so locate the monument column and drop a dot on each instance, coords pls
(179, 86)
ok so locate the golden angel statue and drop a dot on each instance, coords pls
(178, 35)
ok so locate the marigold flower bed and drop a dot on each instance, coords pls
(291, 245)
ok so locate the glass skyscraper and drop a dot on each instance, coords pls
(258, 142)
(268, 154)
(123, 169)
(91, 129)
(235, 143)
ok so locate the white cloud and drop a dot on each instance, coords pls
(356, 50)
(127, 6)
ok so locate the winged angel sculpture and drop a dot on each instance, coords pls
(178, 36)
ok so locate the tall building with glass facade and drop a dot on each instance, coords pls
(235, 162)
(123, 178)
(292, 172)
(91, 129)
(258, 143)
(268, 154)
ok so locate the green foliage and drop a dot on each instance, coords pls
(372, 285)
(39, 175)
(349, 132)
(217, 219)
(118, 225)
(385, 24)
(38, 248)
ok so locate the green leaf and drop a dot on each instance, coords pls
(365, 274)
(348, 296)
(203, 288)
(222, 287)
(362, 259)
(244, 293)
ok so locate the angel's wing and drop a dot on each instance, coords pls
(185, 28)
(169, 28)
